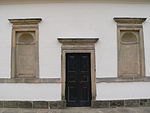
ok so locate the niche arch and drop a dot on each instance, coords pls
(129, 37)
(26, 38)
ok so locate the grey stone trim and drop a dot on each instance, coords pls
(33, 104)
(58, 80)
(129, 79)
(129, 20)
(25, 21)
(77, 40)
(30, 80)
(121, 103)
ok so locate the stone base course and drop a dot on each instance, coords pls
(33, 104)
(121, 103)
(62, 104)
(79, 110)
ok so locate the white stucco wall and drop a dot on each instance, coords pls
(120, 91)
(72, 20)
(42, 92)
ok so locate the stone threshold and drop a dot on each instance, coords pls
(121, 103)
(33, 104)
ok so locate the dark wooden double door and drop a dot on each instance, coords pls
(78, 79)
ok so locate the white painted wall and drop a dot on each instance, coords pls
(42, 92)
(120, 91)
(72, 20)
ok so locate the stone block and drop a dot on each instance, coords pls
(25, 104)
(132, 103)
(1, 104)
(100, 104)
(10, 104)
(57, 104)
(145, 102)
(40, 104)
(117, 103)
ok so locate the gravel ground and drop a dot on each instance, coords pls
(79, 110)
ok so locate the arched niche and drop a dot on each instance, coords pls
(130, 54)
(26, 38)
(25, 54)
(129, 38)
(129, 57)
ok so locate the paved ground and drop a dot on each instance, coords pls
(80, 110)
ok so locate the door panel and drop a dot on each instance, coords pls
(78, 79)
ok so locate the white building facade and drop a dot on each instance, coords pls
(118, 70)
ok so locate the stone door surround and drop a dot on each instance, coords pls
(78, 45)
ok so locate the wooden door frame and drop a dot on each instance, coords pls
(78, 45)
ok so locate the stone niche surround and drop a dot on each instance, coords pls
(24, 51)
(78, 45)
(129, 24)
(30, 27)
(131, 62)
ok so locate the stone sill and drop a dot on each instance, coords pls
(58, 80)
(130, 79)
(29, 80)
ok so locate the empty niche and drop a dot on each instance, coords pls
(129, 37)
(129, 54)
(26, 38)
(25, 54)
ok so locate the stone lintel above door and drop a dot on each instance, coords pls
(78, 40)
